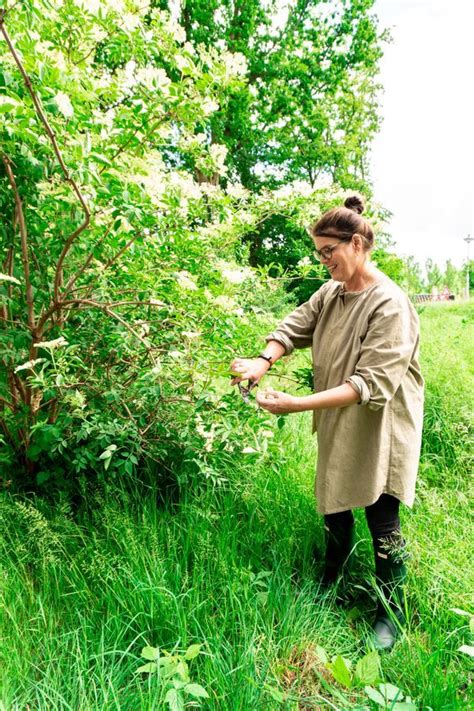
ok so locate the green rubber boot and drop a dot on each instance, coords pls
(390, 573)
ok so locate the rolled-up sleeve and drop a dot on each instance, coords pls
(386, 352)
(296, 331)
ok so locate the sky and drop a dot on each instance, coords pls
(422, 162)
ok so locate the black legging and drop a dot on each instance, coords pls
(382, 518)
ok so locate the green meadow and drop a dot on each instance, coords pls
(234, 569)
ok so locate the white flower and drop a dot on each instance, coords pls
(163, 81)
(56, 343)
(151, 77)
(29, 364)
(227, 303)
(305, 262)
(130, 22)
(209, 106)
(182, 62)
(63, 102)
(218, 153)
(191, 334)
(236, 190)
(284, 192)
(176, 31)
(235, 63)
(7, 277)
(92, 6)
(249, 450)
(185, 281)
(303, 188)
(116, 5)
(157, 368)
(236, 275)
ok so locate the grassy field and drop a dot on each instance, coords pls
(232, 569)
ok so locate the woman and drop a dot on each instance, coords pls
(368, 401)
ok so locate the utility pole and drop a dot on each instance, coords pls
(468, 241)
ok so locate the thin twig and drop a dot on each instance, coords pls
(89, 259)
(8, 269)
(112, 260)
(24, 244)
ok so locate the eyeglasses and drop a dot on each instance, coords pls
(326, 252)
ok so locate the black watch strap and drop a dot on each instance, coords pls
(267, 358)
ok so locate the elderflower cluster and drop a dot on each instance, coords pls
(185, 281)
(234, 275)
(235, 64)
(218, 153)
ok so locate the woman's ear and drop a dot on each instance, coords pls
(357, 241)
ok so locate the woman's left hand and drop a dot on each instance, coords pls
(276, 402)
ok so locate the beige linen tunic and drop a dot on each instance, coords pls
(371, 340)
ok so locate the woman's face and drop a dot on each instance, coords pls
(344, 258)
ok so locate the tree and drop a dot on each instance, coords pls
(434, 275)
(454, 278)
(310, 106)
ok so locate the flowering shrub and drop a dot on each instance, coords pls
(123, 295)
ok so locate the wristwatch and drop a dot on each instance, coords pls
(267, 358)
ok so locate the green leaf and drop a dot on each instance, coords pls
(340, 669)
(99, 158)
(367, 668)
(353, 614)
(7, 103)
(321, 654)
(175, 700)
(192, 651)
(456, 610)
(182, 670)
(390, 692)
(42, 477)
(10, 279)
(149, 668)
(196, 690)
(375, 696)
(151, 653)
(466, 649)
(276, 694)
(280, 422)
(403, 706)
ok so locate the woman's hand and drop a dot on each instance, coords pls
(251, 369)
(277, 403)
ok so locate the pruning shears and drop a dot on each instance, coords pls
(245, 391)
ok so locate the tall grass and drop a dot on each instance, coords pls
(233, 569)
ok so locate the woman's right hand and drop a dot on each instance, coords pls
(251, 369)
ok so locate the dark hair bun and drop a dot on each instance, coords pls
(355, 203)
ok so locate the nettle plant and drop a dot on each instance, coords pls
(121, 302)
